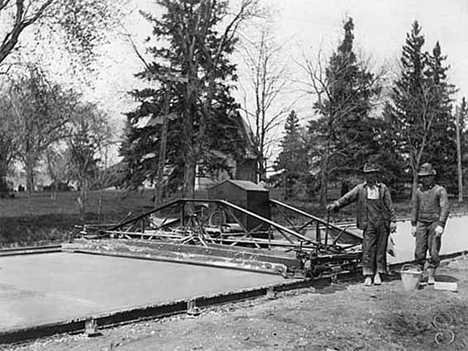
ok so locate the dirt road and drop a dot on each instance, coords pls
(338, 317)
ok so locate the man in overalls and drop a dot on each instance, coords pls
(375, 215)
(428, 218)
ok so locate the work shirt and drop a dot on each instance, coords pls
(373, 203)
(374, 207)
(430, 205)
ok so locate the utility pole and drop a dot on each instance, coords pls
(459, 160)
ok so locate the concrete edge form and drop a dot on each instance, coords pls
(159, 310)
(18, 251)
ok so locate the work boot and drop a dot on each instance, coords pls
(368, 281)
(377, 279)
(430, 276)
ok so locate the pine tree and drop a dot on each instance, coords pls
(441, 148)
(292, 159)
(462, 114)
(344, 136)
(420, 110)
(193, 64)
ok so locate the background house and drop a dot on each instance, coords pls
(240, 168)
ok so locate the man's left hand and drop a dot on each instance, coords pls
(439, 230)
(393, 227)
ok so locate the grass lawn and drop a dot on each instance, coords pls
(40, 219)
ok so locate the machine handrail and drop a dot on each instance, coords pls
(267, 221)
(131, 220)
(219, 202)
(318, 219)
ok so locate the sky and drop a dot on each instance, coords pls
(381, 27)
(311, 25)
(304, 26)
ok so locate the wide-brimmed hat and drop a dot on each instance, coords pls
(370, 168)
(426, 170)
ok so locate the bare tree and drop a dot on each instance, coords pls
(421, 107)
(75, 25)
(89, 135)
(40, 110)
(81, 21)
(215, 61)
(418, 136)
(268, 82)
(342, 89)
(57, 164)
(8, 146)
(21, 14)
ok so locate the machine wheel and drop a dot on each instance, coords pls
(217, 218)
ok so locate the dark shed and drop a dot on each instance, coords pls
(246, 194)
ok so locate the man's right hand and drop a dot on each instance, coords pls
(331, 208)
(413, 230)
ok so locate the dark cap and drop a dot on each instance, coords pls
(370, 168)
(426, 170)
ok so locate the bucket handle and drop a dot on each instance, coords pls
(408, 266)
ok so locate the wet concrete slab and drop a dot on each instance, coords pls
(47, 288)
(454, 239)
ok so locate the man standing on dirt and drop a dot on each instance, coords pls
(428, 218)
(375, 215)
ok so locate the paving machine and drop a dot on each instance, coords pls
(237, 226)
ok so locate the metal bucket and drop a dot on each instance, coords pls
(411, 277)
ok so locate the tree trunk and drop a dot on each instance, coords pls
(190, 154)
(189, 178)
(53, 191)
(30, 174)
(344, 187)
(3, 175)
(162, 148)
(324, 180)
(459, 161)
(82, 199)
(262, 170)
(414, 186)
(415, 164)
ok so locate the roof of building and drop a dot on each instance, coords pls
(245, 184)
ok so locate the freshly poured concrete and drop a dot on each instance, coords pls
(38, 289)
(454, 239)
(47, 288)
